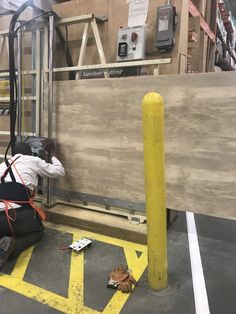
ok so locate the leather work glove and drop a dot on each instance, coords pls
(121, 279)
(49, 145)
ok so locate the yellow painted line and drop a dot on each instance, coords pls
(99, 237)
(76, 282)
(74, 304)
(76, 289)
(138, 265)
(36, 293)
(22, 264)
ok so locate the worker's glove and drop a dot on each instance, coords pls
(49, 145)
(121, 279)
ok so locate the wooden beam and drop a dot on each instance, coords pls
(195, 12)
(114, 65)
(75, 19)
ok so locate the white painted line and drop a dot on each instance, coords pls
(199, 285)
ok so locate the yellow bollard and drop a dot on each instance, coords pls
(154, 166)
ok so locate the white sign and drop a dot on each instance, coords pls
(163, 24)
(80, 244)
(138, 10)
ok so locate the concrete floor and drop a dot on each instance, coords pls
(46, 279)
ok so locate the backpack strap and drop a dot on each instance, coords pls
(9, 170)
(31, 197)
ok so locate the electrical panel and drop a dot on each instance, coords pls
(166, 22)
(131, 43)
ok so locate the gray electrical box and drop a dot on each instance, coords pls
(166, 21)
(131, 43)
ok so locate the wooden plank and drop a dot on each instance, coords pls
(75, 32)
(99, 129)
(75, 19)
(194, 12)
(183, 17)
(154, 62)
(194, 47)
(84, 44)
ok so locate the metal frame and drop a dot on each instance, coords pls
(42, 76)
(38, 81)
(50, 96)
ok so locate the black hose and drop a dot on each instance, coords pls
(12, 75)
(12, 68)
(69, 60)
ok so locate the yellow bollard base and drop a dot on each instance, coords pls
(158, 284)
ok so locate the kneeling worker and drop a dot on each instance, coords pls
(20, 220)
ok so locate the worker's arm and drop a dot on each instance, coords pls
(51, 170)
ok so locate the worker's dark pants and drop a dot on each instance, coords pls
(27, 226)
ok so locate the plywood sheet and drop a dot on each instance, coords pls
(99, 129)
(117, 14)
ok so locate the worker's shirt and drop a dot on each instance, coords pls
(29, 168)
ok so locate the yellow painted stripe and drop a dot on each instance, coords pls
(76, 283)
(43, 296)
(138, 265)
(99, 237)
(116, 303)
(74, 304)
(38, 294)
(22, 264)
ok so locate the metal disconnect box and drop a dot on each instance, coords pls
(131, 43)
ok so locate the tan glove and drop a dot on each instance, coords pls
(126, 285)
(121, 279)
(50, 146)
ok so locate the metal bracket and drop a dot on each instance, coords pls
(101, 19)
(136, 220)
